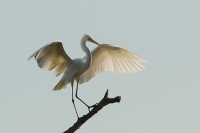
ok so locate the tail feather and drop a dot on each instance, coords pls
(63, 82)
(59, 86)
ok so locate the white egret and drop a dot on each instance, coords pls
(103, 58)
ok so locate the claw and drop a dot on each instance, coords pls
(93, 106)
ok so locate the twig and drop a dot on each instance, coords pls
(105, 101)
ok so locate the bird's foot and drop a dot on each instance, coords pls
(93, 106)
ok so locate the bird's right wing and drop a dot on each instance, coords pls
(52, 57)
(112, 58)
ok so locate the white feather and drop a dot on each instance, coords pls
(108, 57)
(52, 57)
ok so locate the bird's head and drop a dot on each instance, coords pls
(89, 39)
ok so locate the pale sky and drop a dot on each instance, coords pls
(164, 98)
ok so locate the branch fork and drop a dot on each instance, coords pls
(105, 101)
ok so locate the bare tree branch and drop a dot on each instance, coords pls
(105, 101)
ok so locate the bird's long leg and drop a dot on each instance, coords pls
(80, 99)
(72, 83)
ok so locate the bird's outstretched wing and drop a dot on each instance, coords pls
(52, 57)
(112, 58)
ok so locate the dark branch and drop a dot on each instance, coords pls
(105, 101)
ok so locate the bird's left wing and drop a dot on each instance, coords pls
(52, 57)
(112, 58)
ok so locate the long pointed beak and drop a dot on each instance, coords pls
(95, 42)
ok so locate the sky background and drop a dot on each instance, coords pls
(164, 98)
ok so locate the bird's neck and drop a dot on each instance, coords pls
(87, 52)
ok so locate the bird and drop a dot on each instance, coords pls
(104, 57)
